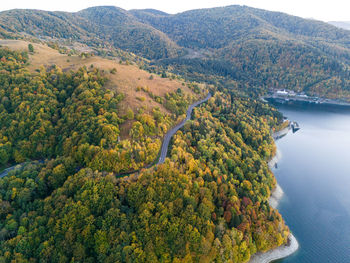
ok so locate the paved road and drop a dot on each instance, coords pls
(165, 144)
(6, 171)
(17, 167)
(169, 134)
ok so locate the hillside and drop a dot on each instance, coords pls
(97, 26)
(207, 202)
(245, 45)
(139, 89)
(218, 27)
(260, 48)
(79, 124)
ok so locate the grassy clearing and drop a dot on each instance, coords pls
(126, 79)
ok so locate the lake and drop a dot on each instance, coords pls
(314, 172)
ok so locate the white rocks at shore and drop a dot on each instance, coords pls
(277, 253)
(275, 159)
(284, 250)
(277, 193)
(276, 196)
(280, 134)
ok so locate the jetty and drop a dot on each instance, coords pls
(294, 126)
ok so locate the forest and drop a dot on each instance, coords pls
(208, 202)
(53, 113)
(88, 188)
(248, 46)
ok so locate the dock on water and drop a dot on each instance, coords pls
(295, 126)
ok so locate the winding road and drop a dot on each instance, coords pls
(274, 254)
(12, 168)
(169, 134)
(17, 167)
(6, 171)
(165, 145)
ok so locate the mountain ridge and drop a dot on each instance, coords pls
(90, 119)
(229, 42)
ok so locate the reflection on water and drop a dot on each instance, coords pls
(314, 173)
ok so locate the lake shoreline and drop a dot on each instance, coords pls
(276, 196)
(277, 253)
(315, 101)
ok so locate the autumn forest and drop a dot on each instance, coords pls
(85, 106)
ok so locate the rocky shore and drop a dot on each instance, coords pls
(277, 253)
(292, 246)
(282, 251)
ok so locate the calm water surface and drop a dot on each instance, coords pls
(314, 172)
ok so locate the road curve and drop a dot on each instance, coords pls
(169, 134)
(17, 167)
(6, 171)
(164, 149)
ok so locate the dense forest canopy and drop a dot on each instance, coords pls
(70, 200)
(207, 202)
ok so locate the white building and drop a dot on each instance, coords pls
(282, 92)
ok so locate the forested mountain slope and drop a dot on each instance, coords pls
(207, 202)
(90, 120)
(218, 27)
(262, 48)
(247, 45)
(97, 26)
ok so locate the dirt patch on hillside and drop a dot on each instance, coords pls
(127, 78)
